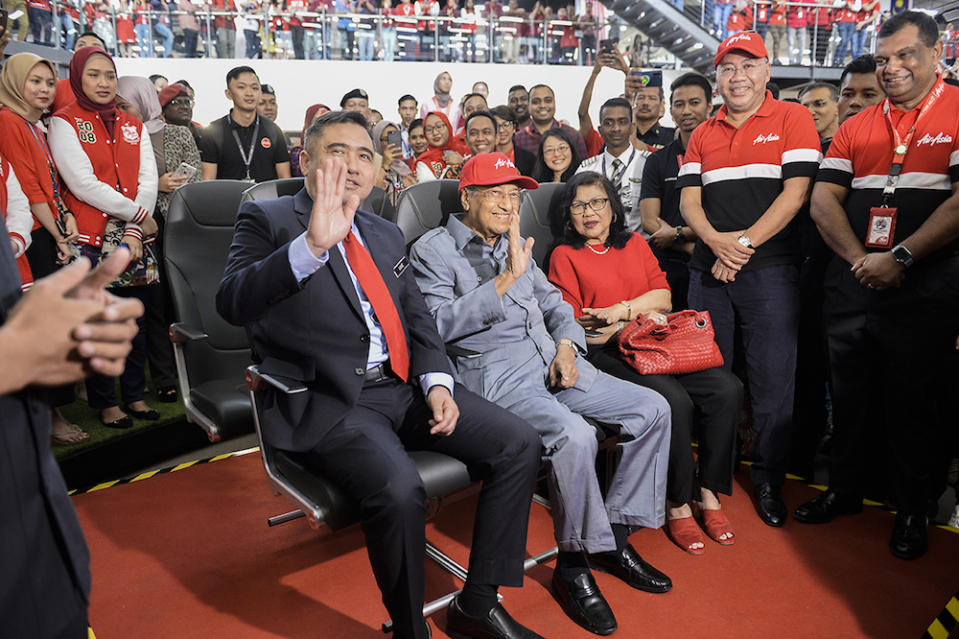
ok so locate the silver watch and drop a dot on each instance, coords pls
(744, 240)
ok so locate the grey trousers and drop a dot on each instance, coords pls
(637, 494)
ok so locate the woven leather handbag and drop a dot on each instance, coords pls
(685, 344)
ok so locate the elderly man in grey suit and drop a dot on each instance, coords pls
(487, 295)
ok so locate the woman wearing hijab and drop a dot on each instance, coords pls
(444, 158)
(394, 174)
(178, 163)
(107, 165)
(441, 100)
(312, 112)
(27, 88)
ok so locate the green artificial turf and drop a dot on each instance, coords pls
(89, 420)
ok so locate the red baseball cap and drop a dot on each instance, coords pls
(170, 92)
(748, 42)
(491, 169)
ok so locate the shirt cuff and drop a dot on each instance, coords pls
(429, 380)
(302, 261)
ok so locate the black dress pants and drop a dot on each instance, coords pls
(704, 404)
(366, 454)
(889, 354)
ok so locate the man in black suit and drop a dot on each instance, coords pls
(357, 333)
(64, 329)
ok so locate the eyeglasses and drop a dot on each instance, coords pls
(554, 150)
(498, 195)
(579, 208)
(181, 102)
(434, 128)
(748, 68)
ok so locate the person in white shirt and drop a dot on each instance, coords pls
(620, 161)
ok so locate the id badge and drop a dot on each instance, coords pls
(882, 225)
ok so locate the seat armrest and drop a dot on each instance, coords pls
(459, 352)
(181, 333)
(258, 381)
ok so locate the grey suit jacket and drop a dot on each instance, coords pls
(515, 334)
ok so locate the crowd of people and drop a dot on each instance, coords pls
(820, 32)
(820, 234)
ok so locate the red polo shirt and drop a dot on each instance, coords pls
(741, 172)
(862, 151)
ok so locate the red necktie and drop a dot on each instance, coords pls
(379, 296)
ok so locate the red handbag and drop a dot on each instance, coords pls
(685, 344)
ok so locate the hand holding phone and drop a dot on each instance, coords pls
(185, 171)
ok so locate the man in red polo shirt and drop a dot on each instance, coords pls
(745, 175)
(887, 201)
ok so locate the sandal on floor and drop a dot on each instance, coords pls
(716, 525)
(684, 532)
(72, 435)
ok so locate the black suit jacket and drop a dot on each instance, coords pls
(314, 331)
(45, 569)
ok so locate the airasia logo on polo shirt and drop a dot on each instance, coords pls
(941, 138)
(769, 137)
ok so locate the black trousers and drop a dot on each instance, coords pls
(366, 454)
(42, 256)
(704, 405)
(159, 315)
(890, 354)
(101, 390)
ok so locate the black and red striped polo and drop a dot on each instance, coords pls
(742, 170)
(862, 152)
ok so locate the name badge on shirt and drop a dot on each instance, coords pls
(882, 224)
(401, 266)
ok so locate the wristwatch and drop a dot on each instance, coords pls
(565, 341)
(903, 255)
(680, 236)
(744, 240)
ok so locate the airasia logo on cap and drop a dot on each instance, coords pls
(739, 36)
(265, 143)
(501, 162)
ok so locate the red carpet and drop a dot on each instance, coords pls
(188, 554)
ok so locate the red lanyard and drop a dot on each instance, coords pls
(900, 145)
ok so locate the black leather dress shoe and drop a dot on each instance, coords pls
(496, 624)
(770, 505)
(826, 507)
(582, 602)
(909, 536)
(630, 567)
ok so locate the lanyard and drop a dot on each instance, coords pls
(50, 165)
(901, 146)
(247, 156)
(625, 166)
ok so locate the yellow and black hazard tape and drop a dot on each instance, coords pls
(161, 471)
(947, 620)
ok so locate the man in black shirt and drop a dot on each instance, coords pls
(672, 242)
(648, 107)
(243, 145)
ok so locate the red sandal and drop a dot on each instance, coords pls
(684, 532)
(716, 525)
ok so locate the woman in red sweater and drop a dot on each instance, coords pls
(107, 164)
(610, 276)
(27, 87)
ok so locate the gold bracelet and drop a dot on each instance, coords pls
(629, 309)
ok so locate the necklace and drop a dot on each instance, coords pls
(603, 252)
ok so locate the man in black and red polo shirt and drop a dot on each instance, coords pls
(887, 202)
(746, 173)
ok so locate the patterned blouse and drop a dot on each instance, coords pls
(178, 146)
